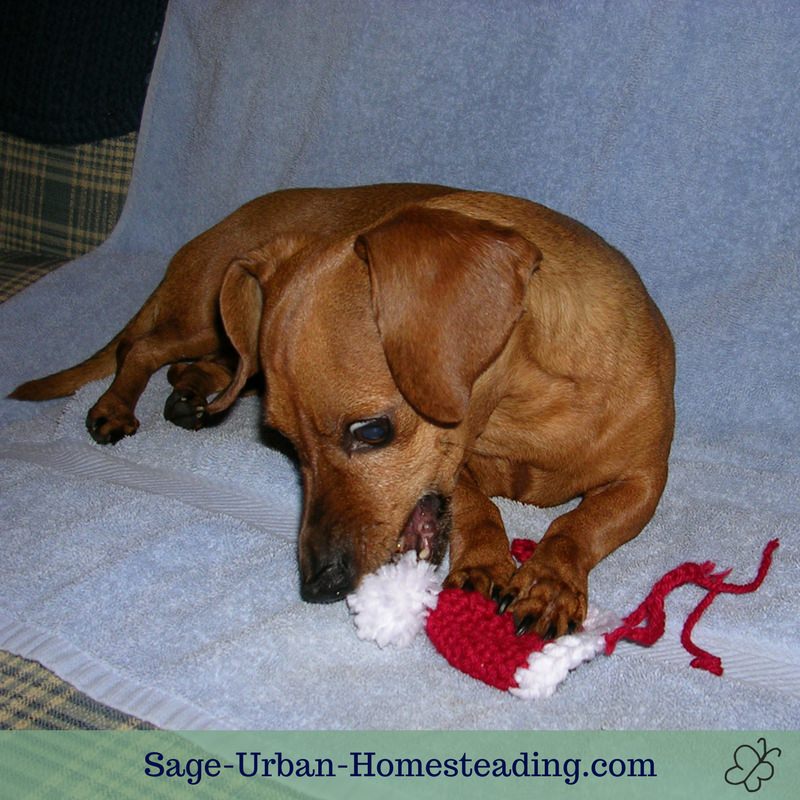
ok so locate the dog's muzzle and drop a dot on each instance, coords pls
(333, 576)
(426, 529)
(329, 582)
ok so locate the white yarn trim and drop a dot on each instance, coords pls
(547, 669)
(390, 606)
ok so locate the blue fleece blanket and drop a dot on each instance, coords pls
(160, 575)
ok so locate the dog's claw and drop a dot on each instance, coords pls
(528, 621)
(524, 625)
(186, 410)
(504, 602)
(95, 428)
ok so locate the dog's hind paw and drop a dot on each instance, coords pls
(186, 410)
(110, 429)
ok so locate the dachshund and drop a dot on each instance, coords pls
(424, 349)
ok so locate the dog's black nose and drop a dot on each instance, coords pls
(330, 583)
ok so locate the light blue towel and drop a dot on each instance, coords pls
(160, 575)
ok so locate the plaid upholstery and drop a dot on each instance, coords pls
(57, 202)
(62, 200)
(32, 697)
(20, 269)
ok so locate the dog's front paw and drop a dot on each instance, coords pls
(187, 409)
(107, 422)
(490, 580)
(548, 601)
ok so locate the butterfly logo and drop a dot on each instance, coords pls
(750, 767)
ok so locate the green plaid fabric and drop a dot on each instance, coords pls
(62, 200)
(32, 697)
(57, 202)
(20, 269)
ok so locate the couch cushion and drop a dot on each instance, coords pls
(19, 269)
(61, 200)
(76, 72)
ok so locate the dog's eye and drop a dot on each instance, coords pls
(371, 432)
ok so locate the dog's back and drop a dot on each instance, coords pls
(197, 269)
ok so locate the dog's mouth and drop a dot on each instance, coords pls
(427, 529)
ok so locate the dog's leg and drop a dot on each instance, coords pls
(548, 593)
(479, 554)
(112, 416)
(193, 384)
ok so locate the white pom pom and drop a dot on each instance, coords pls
(391, 605)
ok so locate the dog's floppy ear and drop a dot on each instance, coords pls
(447, 290)
(241, 302)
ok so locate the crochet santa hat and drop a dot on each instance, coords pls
(393, 605)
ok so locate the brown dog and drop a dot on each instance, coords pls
(424, 349)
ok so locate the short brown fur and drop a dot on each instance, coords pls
(510, 349)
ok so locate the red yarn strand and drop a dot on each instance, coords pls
(653, 614)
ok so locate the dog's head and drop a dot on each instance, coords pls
(371, 348)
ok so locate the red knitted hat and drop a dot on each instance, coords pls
(395, 603)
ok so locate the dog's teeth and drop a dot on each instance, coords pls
(425, 553)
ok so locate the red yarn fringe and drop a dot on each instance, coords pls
(651, 612)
